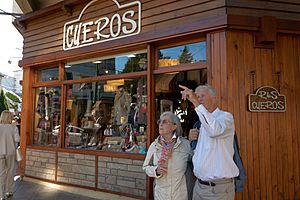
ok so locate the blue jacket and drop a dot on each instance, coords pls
(240, 179)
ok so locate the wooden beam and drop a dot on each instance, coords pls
(251, 23)
(266, 37)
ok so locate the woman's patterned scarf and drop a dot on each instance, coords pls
(166, 153)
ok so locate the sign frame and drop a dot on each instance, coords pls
(266, 97)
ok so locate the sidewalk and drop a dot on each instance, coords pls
(32, 189)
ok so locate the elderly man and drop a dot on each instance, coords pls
(213, 157)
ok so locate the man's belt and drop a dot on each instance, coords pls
(206, 182)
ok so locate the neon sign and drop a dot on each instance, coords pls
(124, 23)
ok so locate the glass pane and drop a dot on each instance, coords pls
(50, 74)
(109, 115)
(47, 116)
(168, 96)
(118, 64)
(188, 53)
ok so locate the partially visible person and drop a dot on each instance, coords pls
(167, 159)
(213, 157)
(17, 122)
(9, 137)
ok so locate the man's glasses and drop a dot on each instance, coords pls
(164, 121)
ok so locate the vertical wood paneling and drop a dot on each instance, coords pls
(244, 131)
(223, 79)
(269, 142)
(26, 115)
(267, 74)
(289, 90)
(297, 110)
(285, 120)
(279, 129)
(273, 141)
(216, 61)
(230, 81)
(294, 77)
(256, 135)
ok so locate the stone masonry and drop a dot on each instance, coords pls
(77, 169)
(121, 175)
(40, 164)
(114, 174)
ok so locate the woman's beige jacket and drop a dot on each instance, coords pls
(9, 136)
(171, 186)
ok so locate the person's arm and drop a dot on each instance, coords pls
(16, 135)
(148, 166)
(188, 94)
(215, 127)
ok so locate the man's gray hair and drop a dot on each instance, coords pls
(174, 119)
(210, 89)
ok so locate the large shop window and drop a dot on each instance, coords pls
(105, 104)
(47, 116)
(107, 115)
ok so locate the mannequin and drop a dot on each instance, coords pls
(121, 106)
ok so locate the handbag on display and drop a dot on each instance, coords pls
(18, 154)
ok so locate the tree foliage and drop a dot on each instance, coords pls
(186, 56)
(12, 97)
(3, 102)
(162, 56)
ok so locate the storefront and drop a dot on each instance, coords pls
(97, 75)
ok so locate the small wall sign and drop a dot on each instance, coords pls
(267, 99)
(125, 22)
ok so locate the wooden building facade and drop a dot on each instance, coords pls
(236, 46)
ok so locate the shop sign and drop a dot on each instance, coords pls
(267, 99)
(125, 22)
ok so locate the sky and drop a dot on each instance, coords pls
(11, 41)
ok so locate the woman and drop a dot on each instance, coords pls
(9, 137)
(167, 159)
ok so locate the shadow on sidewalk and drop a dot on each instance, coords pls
(27, 190)
(33, 189)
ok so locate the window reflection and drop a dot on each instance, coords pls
(188, 53)
(118, 64)
(47, 116)
(168, 96)
(50, 74)
(108, 115)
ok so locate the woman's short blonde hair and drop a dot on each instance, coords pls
(6, 117)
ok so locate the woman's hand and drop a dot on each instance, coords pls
(160, 170)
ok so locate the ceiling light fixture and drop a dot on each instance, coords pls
(97, 61)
